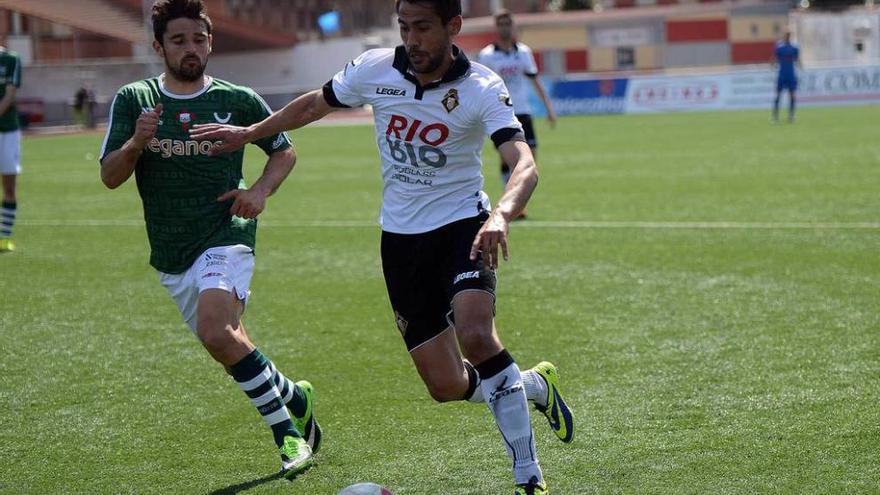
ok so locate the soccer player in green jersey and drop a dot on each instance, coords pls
(10, 142)
(200, 217)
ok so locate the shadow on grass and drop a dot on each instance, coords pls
(247, 485)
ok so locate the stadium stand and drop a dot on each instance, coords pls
(96, 16)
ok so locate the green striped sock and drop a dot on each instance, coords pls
(294, 397)
(7, 218)
(254, 376)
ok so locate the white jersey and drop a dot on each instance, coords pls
(514, 67)
(430, 137)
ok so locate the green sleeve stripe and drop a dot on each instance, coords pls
(109, 128)
(267, 144)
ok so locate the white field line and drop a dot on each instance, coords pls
(528, 224)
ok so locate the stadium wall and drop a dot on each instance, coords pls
(656, 35)
(279, 75)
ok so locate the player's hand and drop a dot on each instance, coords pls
(227, 138)
(491, 235)
(146, 126)
(248, 203)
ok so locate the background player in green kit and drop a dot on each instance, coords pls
(200, 218)
(10, 142)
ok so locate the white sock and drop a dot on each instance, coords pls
(475, 391)
(536, 388)
(502, 383)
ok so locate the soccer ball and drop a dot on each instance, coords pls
(365, 489)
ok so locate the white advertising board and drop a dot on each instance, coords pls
(744, 89)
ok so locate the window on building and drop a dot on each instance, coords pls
(626, 57)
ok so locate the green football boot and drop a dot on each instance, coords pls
(533, 487)
(306, 425)
(296, 457)
(7, 245)
(556, 411)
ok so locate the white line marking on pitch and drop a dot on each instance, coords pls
(538, 224)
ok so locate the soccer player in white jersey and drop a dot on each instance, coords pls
(515, 63)
(440, 239)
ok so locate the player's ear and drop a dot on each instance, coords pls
(158, 48)
(210, 43)
(454, 26)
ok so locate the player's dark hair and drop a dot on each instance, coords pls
(446, 9)
(503, 14)
(165, 11)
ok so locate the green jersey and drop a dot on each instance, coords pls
(178, 182)
(10, 75)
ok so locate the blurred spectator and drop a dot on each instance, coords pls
(84, 106)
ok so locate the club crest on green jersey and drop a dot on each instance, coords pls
(186, 119)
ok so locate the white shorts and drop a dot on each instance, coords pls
(228, 268)
(10, 153)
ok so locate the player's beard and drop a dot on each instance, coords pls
(432, 63)
(505, 34)
(184, 72)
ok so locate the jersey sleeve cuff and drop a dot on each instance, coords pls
(502, 136)
(330, 96)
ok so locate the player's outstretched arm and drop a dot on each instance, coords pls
(118, 166)
(298, 113)
(519, 189)
(250, 202)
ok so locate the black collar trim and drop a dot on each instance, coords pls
(459, 68)
(514, 49)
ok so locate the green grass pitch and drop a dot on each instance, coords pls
(708, 285)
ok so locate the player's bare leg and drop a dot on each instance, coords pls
(218, 328)
(9, 188)
(776, 106)
(439, 363)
